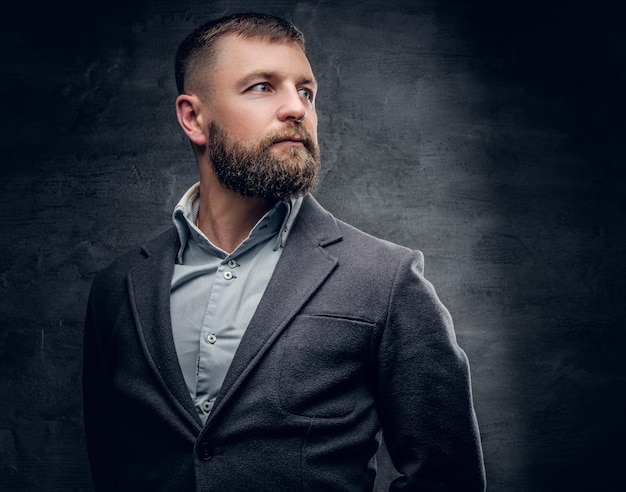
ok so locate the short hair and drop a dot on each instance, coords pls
(197, 49)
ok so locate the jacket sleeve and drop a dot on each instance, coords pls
(99, 409)
(424, 392)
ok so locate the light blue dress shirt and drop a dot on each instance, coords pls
(214, 294)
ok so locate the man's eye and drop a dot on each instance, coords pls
(261, 87)
(306, 93)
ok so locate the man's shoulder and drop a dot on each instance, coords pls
(364, 240)
(120, 267)
(376, 253)
(360, 245)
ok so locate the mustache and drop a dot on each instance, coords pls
(288, 133)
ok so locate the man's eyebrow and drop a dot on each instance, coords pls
(309, 81)
(266, 75)
(257, 74)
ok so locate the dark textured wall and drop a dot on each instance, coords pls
(486, 134)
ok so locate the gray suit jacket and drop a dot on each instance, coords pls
(348, 339)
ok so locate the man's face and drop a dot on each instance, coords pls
(262, 131)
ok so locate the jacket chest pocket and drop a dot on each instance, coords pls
(324, 366)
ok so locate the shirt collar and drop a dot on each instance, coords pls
(276, 222)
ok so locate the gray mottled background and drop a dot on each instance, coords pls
(487, 134)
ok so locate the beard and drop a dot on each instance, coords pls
(261, 171)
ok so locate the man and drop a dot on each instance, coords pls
(261, 344)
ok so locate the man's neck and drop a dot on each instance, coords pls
(227, 218)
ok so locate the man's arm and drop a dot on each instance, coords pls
(424, 393)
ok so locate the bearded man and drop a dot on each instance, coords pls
(261, 344)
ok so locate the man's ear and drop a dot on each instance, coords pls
(190, 119)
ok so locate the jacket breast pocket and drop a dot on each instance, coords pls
(324, 366)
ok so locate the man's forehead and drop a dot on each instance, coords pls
(256, 52)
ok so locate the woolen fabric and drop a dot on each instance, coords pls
(348, 339)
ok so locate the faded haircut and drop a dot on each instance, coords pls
(196, 52)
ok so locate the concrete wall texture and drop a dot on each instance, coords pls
(487, 134)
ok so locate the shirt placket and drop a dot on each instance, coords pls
(209, 362)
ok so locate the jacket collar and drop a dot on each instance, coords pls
(149, 286)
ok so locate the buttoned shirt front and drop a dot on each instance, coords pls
(214, 294)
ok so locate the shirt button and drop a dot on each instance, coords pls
(211, 338)
(232, 263)
(206, 405)
(228, 275)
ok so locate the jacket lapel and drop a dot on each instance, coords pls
(302, 268)
(149, 286)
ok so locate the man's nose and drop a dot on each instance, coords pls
(293, 106)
